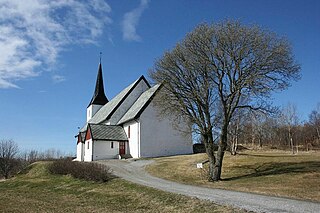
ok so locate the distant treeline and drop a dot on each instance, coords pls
(282, 130)
(12, 160)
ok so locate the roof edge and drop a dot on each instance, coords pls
(127, 94)
(110, 140)
(144, 106)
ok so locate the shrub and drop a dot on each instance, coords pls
(200, 148)
(81, 170)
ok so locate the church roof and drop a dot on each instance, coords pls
(138, 107)
(107, 132)
(99, 97)
(108, 109)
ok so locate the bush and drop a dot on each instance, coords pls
(200, 148)
(81, 170)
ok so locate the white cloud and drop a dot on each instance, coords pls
(33, 33)
(58, 78)
(131, 20)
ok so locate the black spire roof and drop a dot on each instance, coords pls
(99, 97)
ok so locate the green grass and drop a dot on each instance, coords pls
(37, 191)
(265, 172)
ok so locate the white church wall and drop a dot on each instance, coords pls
(127, 103)
(80, 149)
(133, 145)
(88, 150)
(103, 150)
(159, 138)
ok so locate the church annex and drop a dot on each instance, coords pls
(129, 126)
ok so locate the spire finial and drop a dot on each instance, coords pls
(100, 57)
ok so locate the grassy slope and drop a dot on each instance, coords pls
(272, 173)
(37, 191)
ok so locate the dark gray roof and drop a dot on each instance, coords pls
(107, 110)
(99, 97)
(108, 132)
(142, 102)
(84, 128)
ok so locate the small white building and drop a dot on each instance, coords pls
(129, 126)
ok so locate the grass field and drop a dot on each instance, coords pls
(265, 172)
(38, 191)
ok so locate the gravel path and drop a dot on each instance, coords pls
(134, 171)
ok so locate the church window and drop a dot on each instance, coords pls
(88, 145)
(112, 145)
(128, 131)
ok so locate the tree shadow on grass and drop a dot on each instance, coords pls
(267, 156)
(274, 168)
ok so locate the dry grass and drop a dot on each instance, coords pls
(265, 172)
(38, 191)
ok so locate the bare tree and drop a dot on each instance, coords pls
(217, 71)
(235, 130)
(314, 120)
(290, 119)
(259, 125)
(8, 151)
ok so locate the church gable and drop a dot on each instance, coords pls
(138, 107)
(81, 137)
(88, 134)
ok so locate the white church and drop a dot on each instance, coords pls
(129, 126)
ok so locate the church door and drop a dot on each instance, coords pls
(122, 148)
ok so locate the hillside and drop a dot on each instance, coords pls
(275, 173)
(37, 191)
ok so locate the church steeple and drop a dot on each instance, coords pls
(99, 97)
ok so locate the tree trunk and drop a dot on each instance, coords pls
(253, 138)
(234, 145)
(220, 153)
(212, 161)
(260, 142)
(218, 164)
(291, 141)
(208, 141)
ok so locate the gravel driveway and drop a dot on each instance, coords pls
(134, 171)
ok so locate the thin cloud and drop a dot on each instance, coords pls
(131, 20)
(34, 32)
(58, 78)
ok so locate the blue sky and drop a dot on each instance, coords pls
(50, 55)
